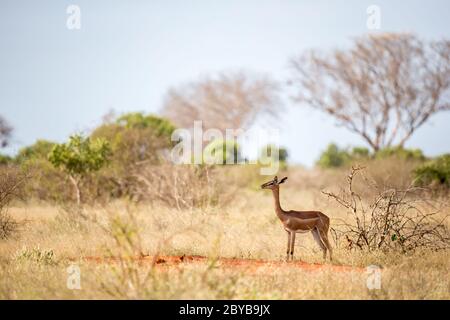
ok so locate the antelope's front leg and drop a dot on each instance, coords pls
(288, 245)
(292, 245)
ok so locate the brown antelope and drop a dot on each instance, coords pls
(300, 221)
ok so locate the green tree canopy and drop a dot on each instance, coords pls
(80, 156)
(333, 157)
(138, 120)
(135, 138)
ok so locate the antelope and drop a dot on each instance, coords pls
(300, 222)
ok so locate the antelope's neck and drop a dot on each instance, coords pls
(278, 210)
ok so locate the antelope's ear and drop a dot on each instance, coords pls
(282, 180)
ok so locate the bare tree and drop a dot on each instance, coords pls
(382, 88)
(229, 100)
(5, 132)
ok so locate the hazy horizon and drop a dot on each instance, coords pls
(55, 81)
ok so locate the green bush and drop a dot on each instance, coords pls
(5, 159)
(333, 157)
(436, 171)
(39, 150)
(360, 153)
(222, 152)
(400, 152)
(268, 155)
(46, 182)
(268, 150)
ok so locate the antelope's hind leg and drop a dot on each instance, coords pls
(318, 239)
(324, 237)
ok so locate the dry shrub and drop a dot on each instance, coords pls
(183, 186)
(46, 182)
(11, 182)
(130, 279)
(394, 219)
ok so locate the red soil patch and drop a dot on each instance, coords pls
(251, 265)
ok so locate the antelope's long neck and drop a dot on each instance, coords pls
(276, 196)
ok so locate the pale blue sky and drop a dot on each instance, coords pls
(54, 82)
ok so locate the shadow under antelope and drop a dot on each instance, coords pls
(300, 221)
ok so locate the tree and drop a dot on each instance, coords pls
(5, 132)
(135, 138)
(138, 120)
(269, 151)
(39, 150)
(78, 157)
(222, 152)
(383, 88)
(333, 157)
(227, 101)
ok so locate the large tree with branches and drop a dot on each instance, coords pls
(230, 100)
(383, 88)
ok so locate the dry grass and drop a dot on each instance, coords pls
(34, 265)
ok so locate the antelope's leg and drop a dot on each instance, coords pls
(324, 237)
(292, 245)
(316, 236)
(288, 245)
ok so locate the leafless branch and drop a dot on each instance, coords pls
(228, 101)
(383, 88)
(394, 219)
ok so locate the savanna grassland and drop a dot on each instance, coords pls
(122, 247)
(169, 205)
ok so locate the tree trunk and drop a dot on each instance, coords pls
(75, 183)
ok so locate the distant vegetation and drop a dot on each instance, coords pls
(222, 152)
(409, 166)
(271, 152)
(37, 151)
(382, 88)
(436, 171)
(334, 156)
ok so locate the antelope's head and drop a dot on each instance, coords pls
(274, 183)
